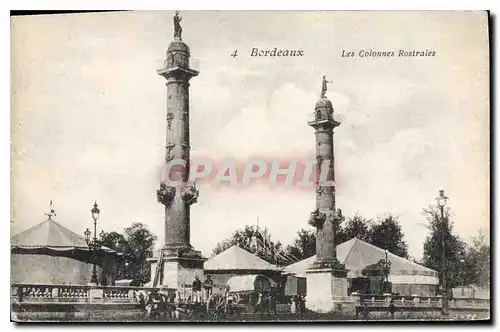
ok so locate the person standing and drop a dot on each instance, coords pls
(273, 304)
(302, 305)
(196, 290)
(258, 303)
(149, 304)
(228, 309)
(293, 306)
(208, 285)
(141, 301)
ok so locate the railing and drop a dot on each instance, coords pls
(417, 301)
(322, 116)
(75, 293)
(29, 293)
(469, 303)
(26, 293)
(34, 292)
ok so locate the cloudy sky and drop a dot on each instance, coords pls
(88, 116)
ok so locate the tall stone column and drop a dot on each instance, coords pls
(178, 196)
(327, 277)
(176, 193)
(325, 217)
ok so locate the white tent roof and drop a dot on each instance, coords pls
(357, 254)
(50, 236)
(236, 258)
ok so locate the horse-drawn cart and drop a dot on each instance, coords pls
(240, 295)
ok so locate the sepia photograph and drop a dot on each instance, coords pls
(250, 166)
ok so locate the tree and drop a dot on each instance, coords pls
(256, 241)
(135, 246)
(476, 265)
(241, 237)
(454, 248)
(356, 226)
(139, 246)
(304, 245)
(115, 241)
(385, 234)
(388, 235)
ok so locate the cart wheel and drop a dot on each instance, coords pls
(215, 304)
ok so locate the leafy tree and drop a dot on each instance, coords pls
(356, 226)
(135, 247)
(454, 248)
(304, 245)
(140, 244)
(257, 241)
(385, 234)
(241, 237)
(388, 235)
(477, 262)
(115, 241)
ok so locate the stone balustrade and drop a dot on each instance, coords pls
(125, 294)
(75, 293)
(417, 301)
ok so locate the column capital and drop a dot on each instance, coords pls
(177, 74)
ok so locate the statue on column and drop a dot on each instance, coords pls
(324, 86)
(177, 26)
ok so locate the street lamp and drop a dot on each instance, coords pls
(387, 269)
(387, 266)
(441, 201)
(93, 243)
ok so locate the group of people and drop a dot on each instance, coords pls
(158, 303)
(264, 302)
(166, 304)
(202, 291)
(298, 305)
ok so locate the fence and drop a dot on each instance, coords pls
(409, 302)
(48, 293)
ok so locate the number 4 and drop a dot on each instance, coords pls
(234, 54)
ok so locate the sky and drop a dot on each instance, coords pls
(88, 117)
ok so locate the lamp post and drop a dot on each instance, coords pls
(387, 269)
(441, 200)
(94, 244)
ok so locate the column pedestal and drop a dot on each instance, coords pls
(327, 291)
(179, 269)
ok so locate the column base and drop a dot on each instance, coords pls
(327, 291)
(178, 272)
(180, 266)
